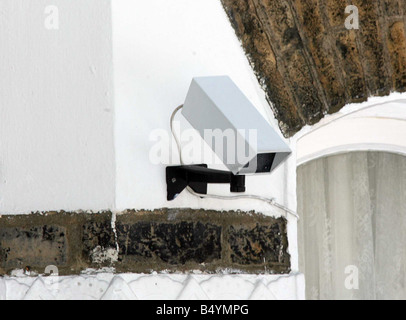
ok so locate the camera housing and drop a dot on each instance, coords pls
(217, 105)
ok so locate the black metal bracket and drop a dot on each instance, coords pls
(197, 177)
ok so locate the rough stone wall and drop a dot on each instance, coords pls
(141, 242)
(310, 64)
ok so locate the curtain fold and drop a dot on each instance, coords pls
(352, 226)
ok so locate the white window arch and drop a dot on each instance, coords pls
(379, 125)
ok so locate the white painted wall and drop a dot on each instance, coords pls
(159, 46)
(62, 144)
(56, 114)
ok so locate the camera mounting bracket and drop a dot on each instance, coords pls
(197, 177)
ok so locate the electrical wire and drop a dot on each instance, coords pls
(271, 202)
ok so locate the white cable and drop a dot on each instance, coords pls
(271, 202)
(174, 135)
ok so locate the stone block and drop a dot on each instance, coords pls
(173, 243)
(32, 246)
(264, 245)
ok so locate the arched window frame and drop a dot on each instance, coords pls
(378, 125)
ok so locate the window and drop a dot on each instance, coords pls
(352, 239)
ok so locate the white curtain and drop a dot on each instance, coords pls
(352, 232)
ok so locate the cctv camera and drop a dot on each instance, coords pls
(234, 129)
